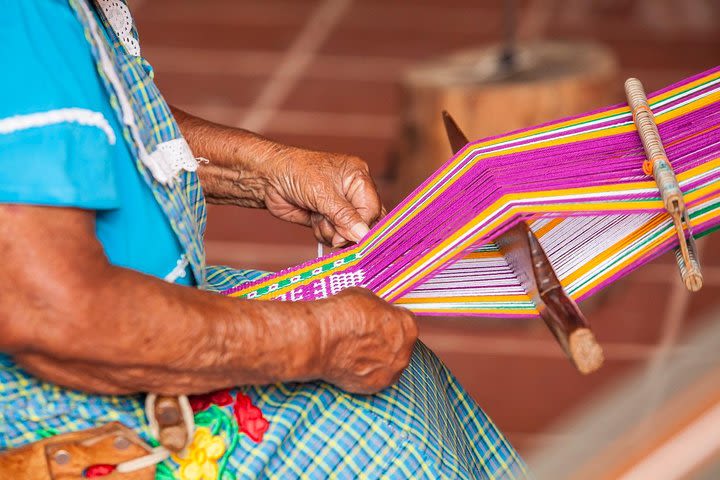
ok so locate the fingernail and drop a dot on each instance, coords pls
(359, 230)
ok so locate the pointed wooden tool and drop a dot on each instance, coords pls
(528, 261)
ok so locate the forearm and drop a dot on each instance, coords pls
(138, 333)
(332, 193)
(239, 160)
(116, 380)
(72, 318)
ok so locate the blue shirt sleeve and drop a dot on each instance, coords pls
(58, 133)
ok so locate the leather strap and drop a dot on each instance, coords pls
(66, 456)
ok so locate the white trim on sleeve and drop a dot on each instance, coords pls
(81, 116)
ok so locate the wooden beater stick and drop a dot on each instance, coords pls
(528, 261)
(658, 165)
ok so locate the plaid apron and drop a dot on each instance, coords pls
(425, 426)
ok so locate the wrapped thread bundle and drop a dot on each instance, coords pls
(578, 182)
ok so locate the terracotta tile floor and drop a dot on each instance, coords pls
(326, 75)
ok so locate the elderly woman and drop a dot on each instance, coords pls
(105, 294)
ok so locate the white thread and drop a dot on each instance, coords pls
(121, 22)
(157, 455)
(320, 250)
(80, 116)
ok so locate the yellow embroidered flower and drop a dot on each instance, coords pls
(200, 460)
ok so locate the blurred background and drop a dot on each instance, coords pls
(370, 77)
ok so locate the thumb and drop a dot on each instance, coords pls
(345, 218)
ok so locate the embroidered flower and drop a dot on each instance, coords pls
(98, 470)
(200, 461)
(198, 403)
(249, 417)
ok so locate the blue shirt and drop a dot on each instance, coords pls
(61, 144)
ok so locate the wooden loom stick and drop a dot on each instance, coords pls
(658, 165)
(528, 261)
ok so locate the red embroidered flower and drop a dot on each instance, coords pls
(249, 417)
(198, 403)
(98, 470)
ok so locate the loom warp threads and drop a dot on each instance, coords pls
(578, 182)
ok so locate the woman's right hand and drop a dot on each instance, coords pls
(366, 343)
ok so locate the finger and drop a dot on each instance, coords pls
(383, 213)
(396, 378)
(318, 236)
(299, 216)
(322, 234)
(409, 324)
(327, 231)
(362, 193)
(287, 211)
(345, 218)
(338, 241)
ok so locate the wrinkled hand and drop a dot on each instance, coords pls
(332, 193)
(366, 342)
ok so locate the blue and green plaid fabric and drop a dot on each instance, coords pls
(425, 426)
(220, 278)
(182, 201)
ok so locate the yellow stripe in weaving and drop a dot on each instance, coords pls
(543, 208)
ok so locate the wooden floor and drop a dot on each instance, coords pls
(325, 74)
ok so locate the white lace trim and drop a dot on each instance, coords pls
(179, 271)
(161, 165)
(118, 14)
(169, 158)
(81, 116)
